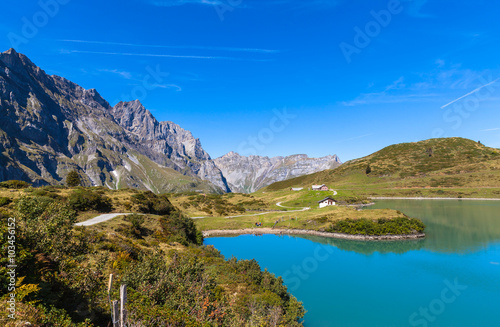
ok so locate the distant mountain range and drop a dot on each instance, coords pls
(248, 174)
(50, 126)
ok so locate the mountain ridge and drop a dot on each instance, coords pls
(248, 174)
(50, 125)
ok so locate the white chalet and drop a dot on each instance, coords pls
(328, 201)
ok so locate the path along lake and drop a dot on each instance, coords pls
(450, 278)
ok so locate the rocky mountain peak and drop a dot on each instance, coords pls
(132, 115)
(16, 61)
(231, 154)
(10, 57)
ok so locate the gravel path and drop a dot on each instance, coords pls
(265, 213)
(262, 213)
(100, 219)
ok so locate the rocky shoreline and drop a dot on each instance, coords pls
(278, 231)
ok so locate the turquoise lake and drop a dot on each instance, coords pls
(450, 278)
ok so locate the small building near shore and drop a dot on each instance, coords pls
(321, 187)
(296, 189)
(328, 201)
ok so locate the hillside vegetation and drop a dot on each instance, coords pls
(172, 280)
(216, 205)
(452, 166)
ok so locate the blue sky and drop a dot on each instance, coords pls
(279, 77)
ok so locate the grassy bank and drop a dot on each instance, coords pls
(315, 219)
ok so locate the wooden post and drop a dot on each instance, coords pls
(114, 313)
(123, 300)
(110, 284)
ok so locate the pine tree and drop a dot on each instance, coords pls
(368, 169)
(73, 179)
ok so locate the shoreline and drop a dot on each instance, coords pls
(431, 198)
(262, 231)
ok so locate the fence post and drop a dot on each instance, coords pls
(123, 300)
(118, 314)
(114, 313)
(110, 284)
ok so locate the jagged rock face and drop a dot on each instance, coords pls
(160, 137)
(167, 143)
(248, 174)
(49, 126)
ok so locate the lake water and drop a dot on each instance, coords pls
(451, 278)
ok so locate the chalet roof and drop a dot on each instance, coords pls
(317, 186)
(327, 198)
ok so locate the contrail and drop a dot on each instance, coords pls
(174, 46)
(164, 55)
(464, 96)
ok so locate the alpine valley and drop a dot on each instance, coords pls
(50, 126)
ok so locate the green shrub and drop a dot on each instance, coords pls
(396, 226)
(47, 193)
(85, 200)
(136, 221)
(352, 200)
(31, 208)
(73, 179)
(186, 294)
(178, 228)
(148, 202)
(47, 225)
(368, 169)
(15, 184)
(4, 201)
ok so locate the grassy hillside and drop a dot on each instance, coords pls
(436, 167)
(172, 280)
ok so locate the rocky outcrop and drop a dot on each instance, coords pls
(248, 174)
(167, 143)
(49, 126)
